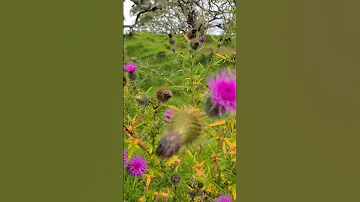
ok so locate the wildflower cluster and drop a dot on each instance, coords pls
(179, 123)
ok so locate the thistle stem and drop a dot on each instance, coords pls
(142, 146)
(191, 76)
(154, 128)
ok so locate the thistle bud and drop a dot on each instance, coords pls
(171, 41)
(132, 76)
(188, 123)
(212, 112)
(194, 45)
(143, 100)
(163, 95)
(124, 81)
(169, 145)
(200, 185)
(175, 179)
(185, 127)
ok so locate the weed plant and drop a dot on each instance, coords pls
(179, 118)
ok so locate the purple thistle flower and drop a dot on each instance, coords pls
(168, 114)
(130, 67)
(137, 166)
(125, 155)
(202, 38)
(223, 91)
(224, 198)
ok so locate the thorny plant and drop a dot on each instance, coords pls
(185, 152)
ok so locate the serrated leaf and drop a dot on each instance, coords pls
(140, 124)
(233, 189)
(189, 152)
(148, 179)
(142, 199)
(224, 147)
(217, 123)
(186, 185)
(173, 160)
(174, 108)
(221, 56)
(150, 150)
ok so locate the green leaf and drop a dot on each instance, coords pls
(149, 90)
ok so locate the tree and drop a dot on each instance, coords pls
(177, 16)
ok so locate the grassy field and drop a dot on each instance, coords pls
(154, 51)
(201, 171)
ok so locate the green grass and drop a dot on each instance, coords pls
(154, 51)
(184, 73)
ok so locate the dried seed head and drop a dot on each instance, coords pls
(163, 95)
(169, 145)
(191, 34)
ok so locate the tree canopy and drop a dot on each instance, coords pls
(176, 16)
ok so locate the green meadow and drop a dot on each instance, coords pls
(202, 170)
(154, 51)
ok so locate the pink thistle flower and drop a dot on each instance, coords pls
(224, 198)
(137, 166)
(125, 155)
(168, 114)
(130, 67)
(223, 91)
(202, 38)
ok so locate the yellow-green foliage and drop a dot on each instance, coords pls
(203, 170)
